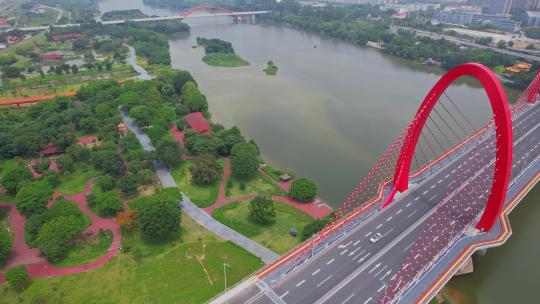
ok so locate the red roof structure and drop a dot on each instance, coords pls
(51, 57)
(87, 140)
(50, 150)
(198, 122)
(3, 23)
(66, 37)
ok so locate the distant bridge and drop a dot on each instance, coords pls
(237, 16)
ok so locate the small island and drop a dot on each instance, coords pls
(123, 14)
(271, 68)
(220, 53)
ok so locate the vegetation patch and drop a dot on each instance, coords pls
(164, 272)
(271, 68)
(87, 250)
(220, 53)
(203, 195)
(257, 185)
(275, 235)
(75, 182)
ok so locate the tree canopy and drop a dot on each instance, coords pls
(244, 160)
(262, 210)
(303, 189)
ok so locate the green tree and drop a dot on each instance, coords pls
(193, 99)
(65, 163)
(501, 44)
(5, 244)
(205, 170)
(158, 220)
(303, 190)
(180, 79)
(105, 183)
(262, 210)
(128, 184)
(52, 177)
(109, 162)
(17, 277)
(108, 203)
(55, 236)
(244, 160)
(33, 197)
(78, 152)
(169, 152)
(14, 177)
(314, 227)
(146, 176)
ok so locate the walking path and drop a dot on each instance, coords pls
(37, 265)
(203, 218)
(316, 210)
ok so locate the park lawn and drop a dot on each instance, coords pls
(167, 273)
(274, 236)
(273, 172)
(258, 185)
(75, 182)
(202, 195)
(224, 60)
(85, 251)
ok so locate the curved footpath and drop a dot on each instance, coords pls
(199, 215)
(37, 265)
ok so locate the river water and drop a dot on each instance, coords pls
(330, 112)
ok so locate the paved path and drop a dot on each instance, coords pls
(312, 208)
(203, 218)
(37, 265)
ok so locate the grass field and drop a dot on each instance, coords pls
(259, 185)
(167, 273)
(201, 195)
(75, 182)
(85, 251)
(224, 60)
(274, 236)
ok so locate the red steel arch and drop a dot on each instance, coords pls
(204, 7)
(503, 129)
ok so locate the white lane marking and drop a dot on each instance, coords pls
(368, 234)
(316, 271)
(330, 262)
(300, 283)
(286, 293)
(408, 216)
(358, 254)
(417, 198)
(392, 229)
(382, 269)
(409, 204)
(440, 181)
(380, 225)
(433, 186)
(354, 251)
(356, 243)
(343, 246)
(347, 299)
(375, 267)
(424, 193)
(362, 259)
(367, 301)
(386, 274)
(399, 211)
(447, 175)
(324, 281)
(453, 171)
(344, 251)
(433, 197)
(388, 219)
(380, 289)
(407, 248)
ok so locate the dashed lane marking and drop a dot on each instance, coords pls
(316, 271)
(324, 281)
(330, 262)
(300, 283)
(286, 293)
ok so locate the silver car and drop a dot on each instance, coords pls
(374, 238)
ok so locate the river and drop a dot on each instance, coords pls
(330, 112)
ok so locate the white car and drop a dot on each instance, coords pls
(374, 238)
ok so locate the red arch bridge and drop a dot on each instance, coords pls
(441, 192)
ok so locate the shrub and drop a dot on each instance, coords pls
(41, 166)
(17, 277)
(262, 210)
(128, 184)
(108, 203)
(52, 177)
(55, 236)
(14, 177)
(5, 244)
(303, 190)
(65, 163)
(105, 183)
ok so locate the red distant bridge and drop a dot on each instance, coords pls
(441, 192)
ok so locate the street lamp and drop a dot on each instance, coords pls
(225, 273)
